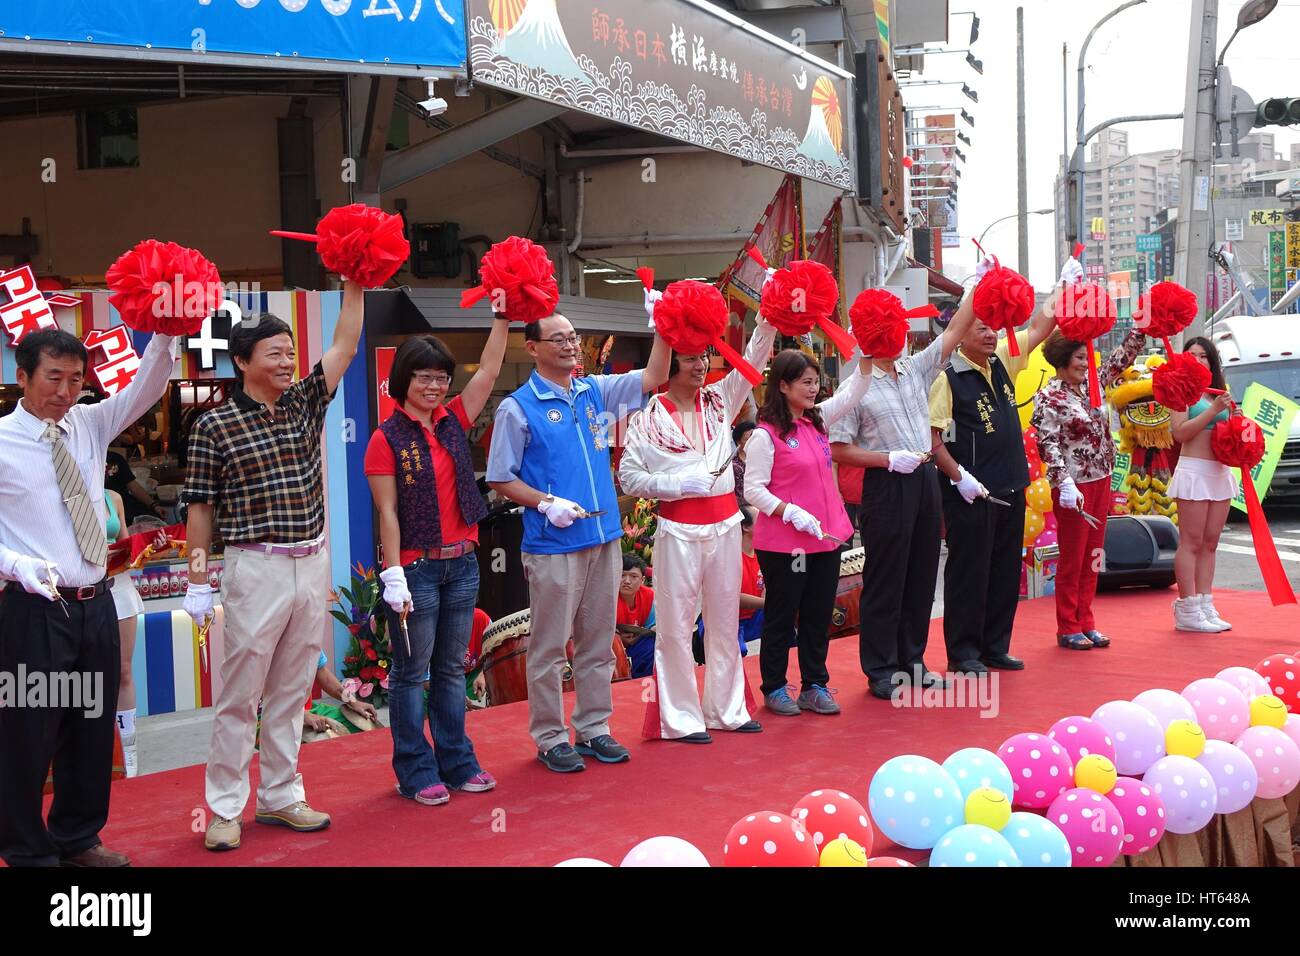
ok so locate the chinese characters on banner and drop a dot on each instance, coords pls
(1274, 414)
(1267, 217)
(120, 360)
(23, 307)
(383, 368)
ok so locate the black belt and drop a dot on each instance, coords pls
(86, 593)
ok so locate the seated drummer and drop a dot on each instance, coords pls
(636, 607)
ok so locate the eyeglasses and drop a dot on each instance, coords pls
(560, 341)
(425, 379)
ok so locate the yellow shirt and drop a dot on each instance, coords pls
(941, 392)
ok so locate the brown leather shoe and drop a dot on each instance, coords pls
(97, 856)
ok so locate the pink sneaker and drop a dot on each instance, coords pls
(481, 782)
(429, 796)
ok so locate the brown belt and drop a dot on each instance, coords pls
(447, 553)
(85, 593)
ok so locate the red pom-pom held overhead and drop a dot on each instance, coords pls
(164, 287)
(1179, 382)
(1165, 311)
(1086, 311)
(1003, 301)
(803, 295)
(880, 323)
(359, 242)
(691, 317)
(520, 271)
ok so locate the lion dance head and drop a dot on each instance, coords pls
(1145, 436)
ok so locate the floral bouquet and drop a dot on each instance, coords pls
(639, 530)
(369, 658)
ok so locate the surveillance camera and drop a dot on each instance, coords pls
(435, 105)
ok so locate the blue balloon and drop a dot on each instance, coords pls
(914, 801)
(975, 767)
(1037, 840)
(973, 845)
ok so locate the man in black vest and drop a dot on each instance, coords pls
(979, 446)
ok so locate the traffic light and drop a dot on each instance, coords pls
(1278, 111)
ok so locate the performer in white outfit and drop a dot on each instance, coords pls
(679, 450)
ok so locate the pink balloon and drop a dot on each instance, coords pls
(1246, 681)
(1091, 823)
(1235, 778)
(1276, 758)
(1221, 709)
(1139, 738)
(1167, 705)
(888, 861)
(1049, 521)
(1081, 736)
(1046, 538)
(664, 851)
(1041, 769)
(1142, 813)
(1292, 727)
(1187, 790)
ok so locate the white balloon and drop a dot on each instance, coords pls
(584, 861)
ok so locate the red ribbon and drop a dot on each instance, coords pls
(1094, 384)
(1270, 565)
(738, 362)
(1169, 349)
(304, 236)
(753, 253)
(839, 335)
(1013, 344)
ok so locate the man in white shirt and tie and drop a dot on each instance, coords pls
(56, 613)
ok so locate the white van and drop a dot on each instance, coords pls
(1266, 349)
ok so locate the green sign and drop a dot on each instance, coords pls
(1148, 242)
(1123, 462)
(1274, 414)
(1277, 263)
(1127, 263)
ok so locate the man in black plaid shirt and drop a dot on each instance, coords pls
(255, 472)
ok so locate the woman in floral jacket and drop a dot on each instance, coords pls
(1078, 453)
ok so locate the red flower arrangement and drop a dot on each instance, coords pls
(1179, 382)
(368, 657)
(879, 322)
(1003, 301)
(164, 287)
(1166, 310)
(692, 316)
(520, 271)
(1238, 442)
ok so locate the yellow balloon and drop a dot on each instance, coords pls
(988, 807)
(1095, 772)
(1034, 524)
(1038, 496)
(1185, 738)
(1267, 711)
(843, 852)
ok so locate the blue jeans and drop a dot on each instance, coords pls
(442, 614)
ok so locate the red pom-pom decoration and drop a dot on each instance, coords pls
(1085, 312)
(1179, 382)
(164, 287)
(879, 323)
(1166, 310)
(1003, 301)
(362, 243)
(692, 316)
(799, 296)
(1238, 442)
(522, 270)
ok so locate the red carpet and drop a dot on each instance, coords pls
(538, 818)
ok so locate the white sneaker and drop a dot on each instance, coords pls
(1210, 614)
(1189, 617)
(129, 756)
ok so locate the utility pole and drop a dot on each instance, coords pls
(1063, 247)
(1195, 231)
(1022, 188)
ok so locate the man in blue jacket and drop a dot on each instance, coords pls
(550, 453)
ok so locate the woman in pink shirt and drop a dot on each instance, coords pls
(788, 478)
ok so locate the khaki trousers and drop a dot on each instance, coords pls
(275, 613)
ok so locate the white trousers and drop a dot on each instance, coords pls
(688, 574)
(275, 622)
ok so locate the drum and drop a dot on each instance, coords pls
(505, 660)
(848, 593)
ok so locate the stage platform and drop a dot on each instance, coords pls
(538, 818)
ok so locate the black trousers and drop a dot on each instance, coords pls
(37, 637)
(981, 584)
(801, 586)
(900, 531)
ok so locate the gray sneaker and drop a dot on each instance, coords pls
(780, 702)
(818, 699)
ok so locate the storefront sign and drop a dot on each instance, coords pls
(1276, 265)
(1293, 245)
(1234, 230)
(378, 33)
(682, 69)
(120, 359)
(23, 307)
(1148, 242)
(1267, 217)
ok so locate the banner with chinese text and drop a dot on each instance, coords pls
(778, 236)
(1274, 414)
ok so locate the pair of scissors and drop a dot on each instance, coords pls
(993, 499)
(1091, 521)
(203, 640)
(52, 576)
(590, 514)
(406, 634)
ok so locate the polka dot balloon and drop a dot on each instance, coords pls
(1187, 791)
(1245, 680)
(888, 861)
(1040, 768)
(1276, 758)
(914, 801)
(583, 861)
(663, 851)
(973, 845)
(1282, 672)
(1037, 841)
(1142, 813)
(1139, 737)
(1091, 824)
(1235, 778)
(1292, 727)
(767, 838)
(1081, 737)
(1167, 705)
(975, 767)
(1221, 709)
(832, 814)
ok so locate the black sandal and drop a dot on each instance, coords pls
(1098, 639)
(1074, 642)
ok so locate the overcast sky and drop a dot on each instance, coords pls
(1137, 63)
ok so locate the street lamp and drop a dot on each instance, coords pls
(1248, 16)
(1032, 212)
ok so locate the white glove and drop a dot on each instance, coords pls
(651, 297)
(766, 276)
(396, 594)
(560, 512)
(1071, 272)
(198, 602)
(28, 572)
(695, 484)
(969, 487)
(904, 462)
(1069, 495)
(987, 264)
(802, 520)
